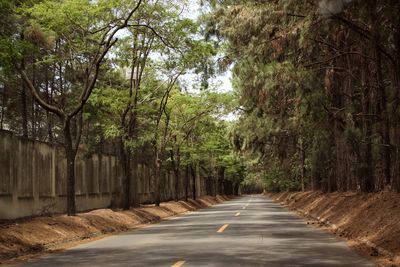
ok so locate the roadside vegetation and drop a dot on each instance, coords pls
(109, 77)
(318, 85)
(315, 104)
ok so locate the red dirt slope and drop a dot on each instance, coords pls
(370, 221)
(36, 235)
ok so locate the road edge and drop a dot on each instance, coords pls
(66, 243)
(338, 232)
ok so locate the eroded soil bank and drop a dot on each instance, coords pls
(370, 222)
(35, 236)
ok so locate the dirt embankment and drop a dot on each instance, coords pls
(33, 236)
(371, 222)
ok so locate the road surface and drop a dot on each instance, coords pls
(247, 231)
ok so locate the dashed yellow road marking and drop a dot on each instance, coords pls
(237, 214)
(178, 264)
(223, 228)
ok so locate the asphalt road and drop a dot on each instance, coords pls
(247, 231)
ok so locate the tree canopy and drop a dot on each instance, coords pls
(315, 100)
(107, 77)
(318, 86)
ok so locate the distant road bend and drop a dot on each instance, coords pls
(247, 231)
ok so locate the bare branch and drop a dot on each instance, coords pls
(163, 40)
(39, 99)
(95, 67)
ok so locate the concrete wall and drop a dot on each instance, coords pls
(33, 180)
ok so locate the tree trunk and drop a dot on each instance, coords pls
(126, 172)
(24, 110)
(396, 82)
(216, 182)
(50, 101)
(3, 107)
(396, 181)
(157, 173)
(177, 179)
(176, 167)
(303, 165)
(33, 106)
(34, 114)
(382, 103)
(385, 135)
(70, 153)
(194, 181)
(186, 183)
(366, 171)
(236, 189)
(221, 178)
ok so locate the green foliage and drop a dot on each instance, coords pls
(277, 94)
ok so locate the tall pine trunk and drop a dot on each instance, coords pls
(382, 103)
(396, 83)
(303, 164)
(193, 172)
(187, 183)
(3, 107)
(366, 177)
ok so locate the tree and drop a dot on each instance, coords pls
(87, 32)
(133, 58)
(316, 113)
(190, 131)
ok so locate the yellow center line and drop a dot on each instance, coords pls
(223, 228)
(237, 214)
(178, 264)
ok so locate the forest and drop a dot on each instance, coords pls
(314, 105)
(319, 89)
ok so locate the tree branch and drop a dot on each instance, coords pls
(39, 99)
(95, 67)
(163, 40)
